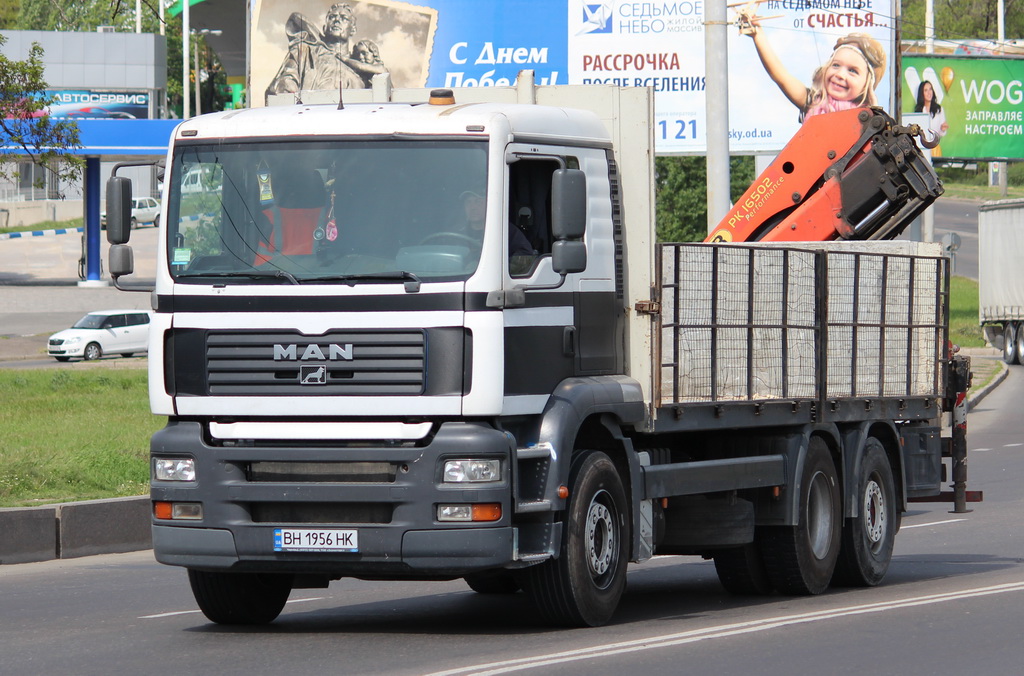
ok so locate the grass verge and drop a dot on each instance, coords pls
(963, 313)
(73, 435)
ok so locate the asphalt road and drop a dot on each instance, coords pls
(950, 604)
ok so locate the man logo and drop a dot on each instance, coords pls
(335, 352)
(313, 375)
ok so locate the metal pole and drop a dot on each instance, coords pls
(960, 373)
(716, 96)
(186, 30)
(929, 26)
(199, 103)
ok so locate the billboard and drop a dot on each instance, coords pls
(655, 43)
(84, 104)
(976, 104)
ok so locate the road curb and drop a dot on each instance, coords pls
(39, 233)
(73, 529)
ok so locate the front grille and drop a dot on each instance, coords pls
(56, 341)
(336, 363)
(323, 472)
(321, 512)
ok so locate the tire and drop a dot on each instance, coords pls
(134, 223)
(868, 539)
(800, 559)
(156, 221)
(1010, 355)
(496, 582)
(583, 586)
(92, 351)
(127, 354)
(1018, 345)
(741, 571)
(240, 598)
(63, 358)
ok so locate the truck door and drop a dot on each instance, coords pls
(555, 334)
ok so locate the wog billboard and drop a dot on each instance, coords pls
(778, 51)
(976, 104)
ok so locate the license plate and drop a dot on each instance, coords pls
(311, 540)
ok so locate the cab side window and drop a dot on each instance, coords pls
(530, 206)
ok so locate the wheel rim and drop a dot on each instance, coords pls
(92, 352)
(1008, 341)
(600, 538)
(819, 515)
(874, 514)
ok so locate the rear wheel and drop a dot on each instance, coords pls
(583, 586)
(92, 351)
(134, 223)
(240, 598)
(741, 571)
(1010, 355)
(1018, 346)
(800, 559)
(868, 539)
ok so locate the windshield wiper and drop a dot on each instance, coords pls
(412, 282)
(252, 274)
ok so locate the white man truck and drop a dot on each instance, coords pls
(364, 379)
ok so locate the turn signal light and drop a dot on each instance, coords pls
(178, 510)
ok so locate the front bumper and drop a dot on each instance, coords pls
(399, 535)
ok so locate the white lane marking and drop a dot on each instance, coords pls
(189, 612)
(933, 523)
(723, 631)
(980, 450)
(1012, 445)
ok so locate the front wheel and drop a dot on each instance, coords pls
(92, 351)
(868, 538)
(240, 598)
(583, 586)
(1010, 355)
(800, 559)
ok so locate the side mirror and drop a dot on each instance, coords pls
(121, 260)
(119, 209)
(568, 256)
(568, 204)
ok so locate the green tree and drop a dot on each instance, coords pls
(25, 128)
(959, 20)
(680, 187)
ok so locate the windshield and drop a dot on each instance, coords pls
(331, 211)
(90, 322)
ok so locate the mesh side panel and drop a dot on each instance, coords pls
(740, 323)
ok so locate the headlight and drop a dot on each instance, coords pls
(72, 341)
(174, 469)
(472, 471)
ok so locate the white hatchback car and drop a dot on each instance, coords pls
(123, 332)
(144, 210)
